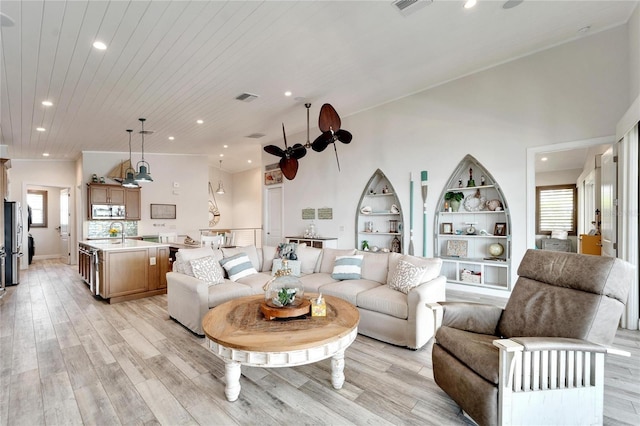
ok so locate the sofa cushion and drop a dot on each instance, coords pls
(476, 351)
(375, 266)
(256, 281)
(348, 290)
(313, 282)
(238, 266)
(384, 300)
(329, 258)
(309, 257)
(293, 265)
(347, 268)
(268, 254)
(184, 256)
(406, 277)
(208, 270)
(250, 251)
(226, 291)
(433, 264)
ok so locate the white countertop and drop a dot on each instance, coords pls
(117, 244)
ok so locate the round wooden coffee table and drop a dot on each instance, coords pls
(238, 333)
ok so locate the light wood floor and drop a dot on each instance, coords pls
(68, 358)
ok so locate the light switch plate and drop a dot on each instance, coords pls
(152, 261)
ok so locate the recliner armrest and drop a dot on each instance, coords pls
(533, 344)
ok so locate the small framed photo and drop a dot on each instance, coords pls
(447, 228)
(500, 229)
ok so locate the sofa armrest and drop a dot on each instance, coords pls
(474, 317)
(421, 324)
(187, 300)
(534, 344)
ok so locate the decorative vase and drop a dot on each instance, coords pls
(455, 205)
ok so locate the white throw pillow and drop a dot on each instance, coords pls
(238, 266)
(208, 270)
(294, 266)
(406, 277)
(347, 268)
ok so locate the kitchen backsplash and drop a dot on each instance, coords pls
(100, 228)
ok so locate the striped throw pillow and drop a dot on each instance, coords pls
(238, 266)
(347, 268)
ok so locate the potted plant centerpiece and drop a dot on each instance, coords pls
(454, 199)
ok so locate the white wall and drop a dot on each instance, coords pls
(560, 177)
(247, 199)
(634, 54)
(225, 201)
(190, 172)
(51, 173)
(574, 91)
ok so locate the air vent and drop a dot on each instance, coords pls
(407, 7)
(246, 97)
(256, 135)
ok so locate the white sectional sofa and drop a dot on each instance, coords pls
(385, 313)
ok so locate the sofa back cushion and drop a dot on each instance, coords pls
(560, 294)
(250, 251)
(308, 256)
(329, 257)
(432, 266)
(185, 256)
(268, 254)
(375, 266)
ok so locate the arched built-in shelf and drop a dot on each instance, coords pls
(463, 251)
(380, 197)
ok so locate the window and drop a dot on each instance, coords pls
(37, 200)
(556, 209)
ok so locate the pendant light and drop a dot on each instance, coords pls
(129, 181)
(143, 167)
(220, 187)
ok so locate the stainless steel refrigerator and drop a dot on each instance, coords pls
(12, 241)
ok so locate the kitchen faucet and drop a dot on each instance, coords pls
(121, 228)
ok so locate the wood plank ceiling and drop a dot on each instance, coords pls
(174, 62)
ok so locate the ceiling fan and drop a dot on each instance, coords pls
(289, 156)
(329, 123)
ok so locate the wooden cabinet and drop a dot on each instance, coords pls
(132, 204)
(475, 241)
(106, 194)
(379, 216)
(132, 273)
(328, 242)
(590, 244)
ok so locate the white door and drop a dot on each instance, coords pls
(65, 250)
(273, 219)
(609, 203)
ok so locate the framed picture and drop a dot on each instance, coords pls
(447, 228)
(273, 177)
(163, 211)
(457, 248)
(500, 229)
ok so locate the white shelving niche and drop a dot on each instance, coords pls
(380, 196)
(476, 211)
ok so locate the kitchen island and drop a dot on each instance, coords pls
(119, 270)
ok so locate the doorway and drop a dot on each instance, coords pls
(47, 240)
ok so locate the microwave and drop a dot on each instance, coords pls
(103, 211)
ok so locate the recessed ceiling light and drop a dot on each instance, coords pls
(225, 146)
(47, 103)
(199, 121)
(40, 129)
(544, 159)
(249, 161)
(221, 155)
(288, 93)
(468, 4)
(45, 154)
(99, 45)
(171, 138)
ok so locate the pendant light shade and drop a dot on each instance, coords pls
(220, 189)
(129, 181)
(143, 167)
